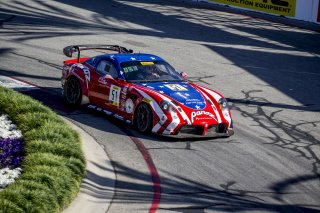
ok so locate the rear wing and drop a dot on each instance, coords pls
(69, 50)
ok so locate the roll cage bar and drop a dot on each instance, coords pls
(78, 48)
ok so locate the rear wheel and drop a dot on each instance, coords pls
(143, 118)
(72, 91)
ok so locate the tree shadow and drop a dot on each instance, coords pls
(191, 196)
(181, 193)
(275, 56)
(181, 20)
(283, 134)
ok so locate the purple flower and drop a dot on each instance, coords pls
(11, 152)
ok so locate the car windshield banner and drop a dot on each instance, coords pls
(280, 7)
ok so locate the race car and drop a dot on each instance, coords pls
(143, 90)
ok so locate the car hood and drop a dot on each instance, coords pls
(182, 92)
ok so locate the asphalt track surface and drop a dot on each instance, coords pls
(270, 73)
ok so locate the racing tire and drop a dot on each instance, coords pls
(143, 118)
(72, 91)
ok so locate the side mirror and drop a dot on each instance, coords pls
(183, 75)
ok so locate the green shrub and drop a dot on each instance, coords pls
(54, 164)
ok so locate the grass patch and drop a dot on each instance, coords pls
(54, 164)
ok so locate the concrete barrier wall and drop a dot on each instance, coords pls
(307, 10)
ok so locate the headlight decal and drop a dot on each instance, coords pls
(166, 127)
(223, 104)
(175, 118)
(167, 106)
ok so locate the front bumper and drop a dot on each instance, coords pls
(198, 131)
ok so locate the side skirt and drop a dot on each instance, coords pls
(99, 109)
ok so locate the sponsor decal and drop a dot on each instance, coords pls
(182, 95)
(130, 69)
(195, 115)
(114, 95)
(280, 7)
(123, 96)
(118, 116)
(85, 70)
(129, 106)
(102, 80)
(107, 112)
(146, 100)
(125, 89)
(122, 105)
(176, 87)
(193, 101)
(146, 63)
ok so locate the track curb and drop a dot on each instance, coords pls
(98, 186)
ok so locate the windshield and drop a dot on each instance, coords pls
(146, 71)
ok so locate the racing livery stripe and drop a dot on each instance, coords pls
(225, 114)
(168, 128)
(215, 95)
(75, 74)
(163, 127)
(175, 121)
(214, 108)
(182, 112)
(173, 125)
(156, 128)
(184, 115)
(155, 108)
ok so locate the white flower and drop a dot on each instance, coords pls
(8, 176)
(8, 129)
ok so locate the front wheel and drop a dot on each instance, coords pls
(143, 118)
(72, 92)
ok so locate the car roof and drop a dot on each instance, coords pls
(123, 57)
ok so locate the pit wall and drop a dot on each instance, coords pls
(306, 10)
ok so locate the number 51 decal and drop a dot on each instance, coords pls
(114, 95)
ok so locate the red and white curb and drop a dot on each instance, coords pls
(16, 84)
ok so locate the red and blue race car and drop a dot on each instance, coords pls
(143, 90)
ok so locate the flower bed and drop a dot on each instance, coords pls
(11, 152)
(11, 144)
(53, 163)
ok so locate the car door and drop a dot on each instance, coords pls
(105, 90)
